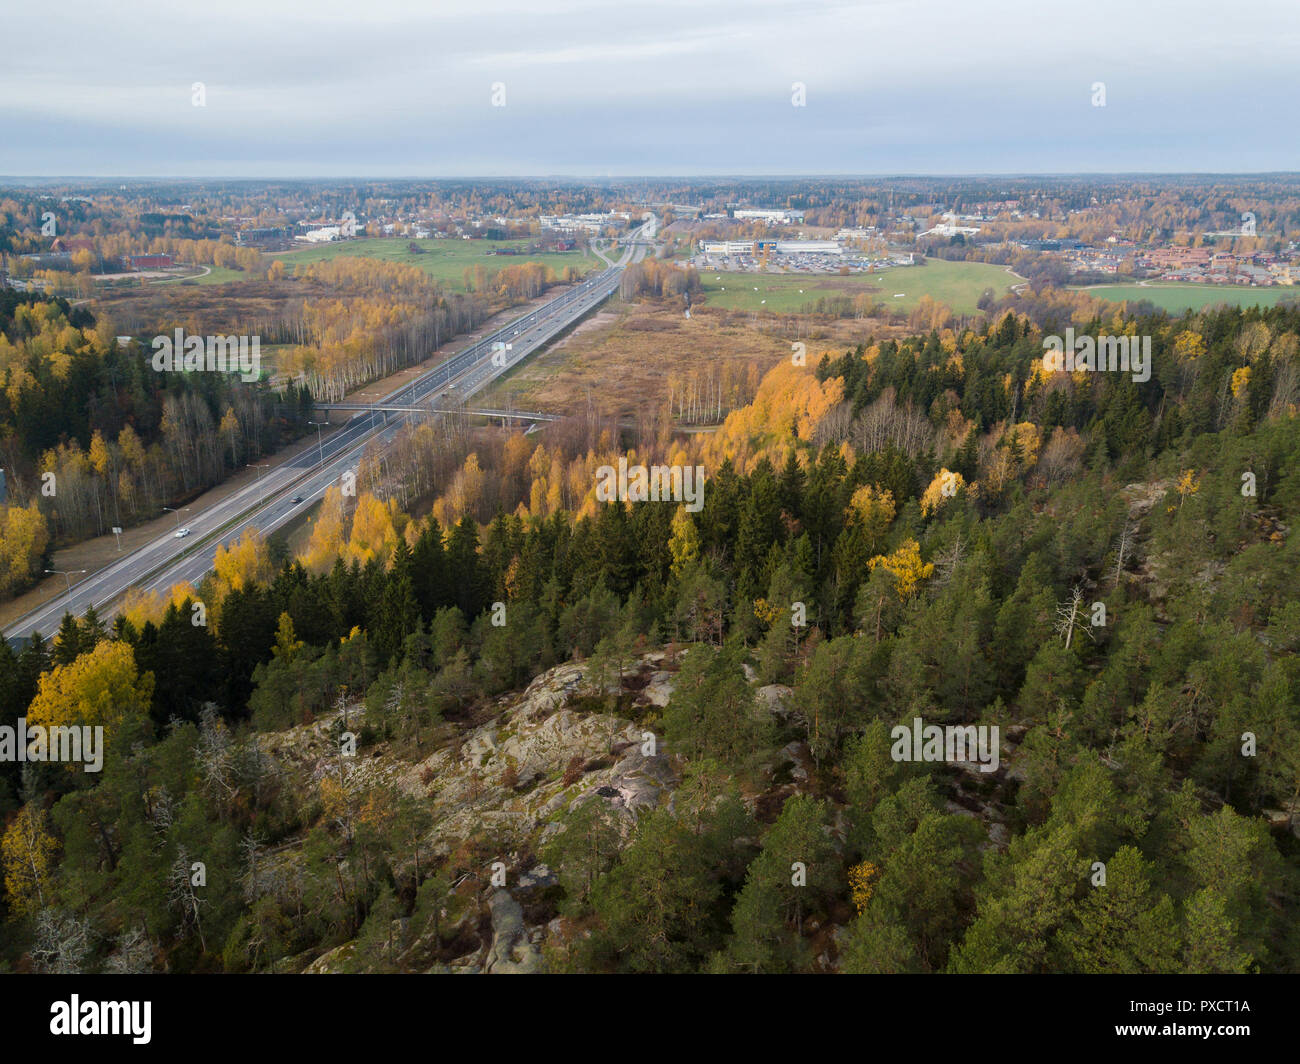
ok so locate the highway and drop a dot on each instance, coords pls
(268, 503)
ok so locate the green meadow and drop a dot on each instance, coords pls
(445, 260)
(958, 284)
(1176, 298)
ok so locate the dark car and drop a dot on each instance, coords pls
(297, 498)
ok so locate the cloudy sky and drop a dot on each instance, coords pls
(623, 87)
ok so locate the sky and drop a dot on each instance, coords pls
(618, 88)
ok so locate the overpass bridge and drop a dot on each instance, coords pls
(508, 415)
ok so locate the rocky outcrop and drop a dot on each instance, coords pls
(511, 952)
(512, 776)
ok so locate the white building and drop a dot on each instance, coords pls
(782, 247)
(808, 247)
(949, 227)
(727, 247)
(570, 223)
(321, 236)
(776, 217)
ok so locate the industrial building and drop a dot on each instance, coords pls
(777, 247)
(727, 247)
(809, 247)
(775, 217)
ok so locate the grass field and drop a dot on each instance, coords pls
(444, 260)
(1176, 298)
(215, 275)
(958, 284)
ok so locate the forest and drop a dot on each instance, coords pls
(916, 527)
(91, 437)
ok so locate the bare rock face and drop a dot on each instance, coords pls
(775, 699)
(659, 689)
(505, 777)
(1282, 820)
(511, 951)
(549, 691)
(330, 962)
(799, 757)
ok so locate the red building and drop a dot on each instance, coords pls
(147, 262)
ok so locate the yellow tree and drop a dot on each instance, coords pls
(132, 448)
(462, 495)
(1028, 439)
(943, 487)
(99, 456)
(1188, 484)
(906, 567)
(874, 509)
(861, 885)
(1188, 346)
(28, 851)
(248, 561)
(1240, 381)
(287, 643)
(230, 428)
(24, 536)
(102, 687)
(139, 606)
(373, 533)
(329, 533)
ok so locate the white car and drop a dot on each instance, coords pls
(181, 533)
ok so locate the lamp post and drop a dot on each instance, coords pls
(177, 513)
(261, 493)
(67, 576)
(319, 445)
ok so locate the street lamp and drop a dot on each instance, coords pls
(319, 445)
(67, 576)
(259, 466)
(177, 513)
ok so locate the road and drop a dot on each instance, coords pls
(267, 504)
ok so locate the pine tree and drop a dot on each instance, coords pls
(1124, 925)
(67, 643)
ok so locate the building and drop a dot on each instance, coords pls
(322, 235)
(263, 235)
(147, 262)
(727, 247)
(763, 214)
(808, 247)
(1175, 258)
(771, 247)
(949, 227)
(72, 243)
(572, 223)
